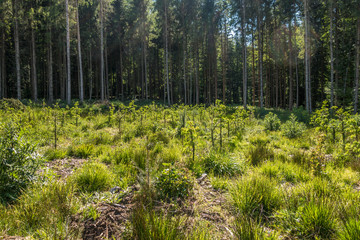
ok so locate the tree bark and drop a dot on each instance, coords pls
(166, 56)
(331, 56)
(307, 80)
(253, 68)
(260, 47)
(102, 90)
(17, 50)
(91, 75)
(50, 70)
(68, 86)
(356, 92)
(81, 79)
(33, 63)
(291, 100)
(244, 56)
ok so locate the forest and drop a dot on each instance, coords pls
(266, 53)
(179, 119)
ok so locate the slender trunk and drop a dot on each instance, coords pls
(306, 58)
(106, 81)
(91, 75)
(224, 63)
(145, 72)
(17, 50)
(33, 63)
(331, 56)
(260, 47)
(197, 77)
(81, 83)
(290, 68)
(1, 65)
(68, 53)
(184, 70)
(357, 67)
(50, 71)
(3, 75)
(121, 75)
(166, 57)
(253, 68)
(296, 66)
(102, 94)
(244, 55)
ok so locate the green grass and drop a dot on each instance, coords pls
(265, 181)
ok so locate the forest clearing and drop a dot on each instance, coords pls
(141, 170)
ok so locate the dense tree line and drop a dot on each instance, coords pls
(272, 53)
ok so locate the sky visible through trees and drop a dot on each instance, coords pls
(266, 53)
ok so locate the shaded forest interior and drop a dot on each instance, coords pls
(266, 53)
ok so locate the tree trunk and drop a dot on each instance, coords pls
(253, 68)
(17, 50)
(307, 80)
(102, 90)
(197, 77)
(81, 80)
(184, 70)
(290, 68)
(260, 47)
(244, 55)
(166, 56)
(331, 56)
(356, 92)
(296, 67)
(90, 75)
(50, 71)
(33, 63)
(68, 86)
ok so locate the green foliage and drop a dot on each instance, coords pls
(222, 165)
(292, 128)
(259, 152)
(80, 151)
(351, 230)
(316, 221)
(150, 225)
(18, 162)
(93, 177)
(42, 209)
(248, 229)
(256, 196)
(173, 183)
(272, 122)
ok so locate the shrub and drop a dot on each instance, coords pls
(174, 183)
(256, 196)
(18, 162)
(272, 122)
(292, 128)
(93, 177)
(222, 165)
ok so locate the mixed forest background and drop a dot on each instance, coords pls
(266, 53)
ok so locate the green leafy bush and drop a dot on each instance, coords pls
(272, 122)
(93, 177)
(18, 162)
(174, 183)
(292, 128)
(222, 165)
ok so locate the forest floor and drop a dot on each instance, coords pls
(151, 172)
